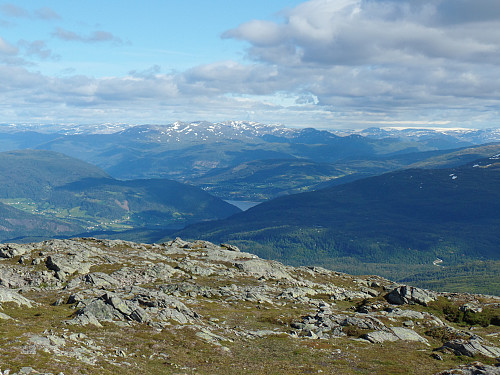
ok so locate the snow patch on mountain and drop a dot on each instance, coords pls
(471, 136)
(207, 131)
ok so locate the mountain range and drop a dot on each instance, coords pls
(205, 154)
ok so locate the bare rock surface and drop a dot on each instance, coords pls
(409, 295)
(8, 295)
(472, 369)
(109, 306)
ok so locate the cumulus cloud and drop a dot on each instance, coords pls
(37, 48)
(47, 13)
(12, 10)
(344, 62)
(353, 32)
(15, 11)
(383, 56)
(95, 37)
(6, 48)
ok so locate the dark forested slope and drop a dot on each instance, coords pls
(409, 217)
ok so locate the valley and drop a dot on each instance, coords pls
(384, 202)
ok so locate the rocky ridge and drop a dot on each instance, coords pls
(106, 306)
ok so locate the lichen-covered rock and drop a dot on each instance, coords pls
(194, 294)
(472, 347)
(68, 263)
(394, 334)
(405, 294)
(100, 280)
(230, 247)
(263, 268)
(472, 369)
(11, 250)
(342, 294)
(8, 295)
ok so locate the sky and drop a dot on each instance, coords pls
(339, 64)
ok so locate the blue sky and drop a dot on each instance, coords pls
(322, 63)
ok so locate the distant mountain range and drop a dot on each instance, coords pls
(206, 154)
(438, 137)
(394, 224)
(244, 128)
(48, 194)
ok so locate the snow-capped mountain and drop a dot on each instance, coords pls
(65, 129)
(207, 131)
(245, 130)
(468, 136)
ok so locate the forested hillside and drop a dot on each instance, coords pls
(46, 194)
(396, 224)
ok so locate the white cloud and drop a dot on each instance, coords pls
(12, 10)
(385, 56)
(94, 37)
(47, 13)
(15, 11)
(346, 63)
(37, 48)
(7, 48)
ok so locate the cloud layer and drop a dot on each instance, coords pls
(344, 63)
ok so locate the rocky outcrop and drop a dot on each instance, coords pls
(8, 295)
(262, 268)
(405, 294)
(394, 334)
(11, 250)
(472, 369)
(471, 348)
(117, 306)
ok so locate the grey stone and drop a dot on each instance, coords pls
(380, 336)
(210, 337)
(408, 294)
(362, 323)
(400, 313)
(180, 243)
(341, 294)
(11, 250)
(394, 334)
(471, 307)
(117, 303)
(371, 292)
(68, 263)
(7, 295)
(101, 310)
(297, 292)
(74, 298)
(264, 268)
(4, 316)
(140, 315)
(437, 356)
(472, 369)
(230, 247)
(472, 347)
(407, 334)
(58, 302)
(196, 268)
(100, 280)
(162, 271)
